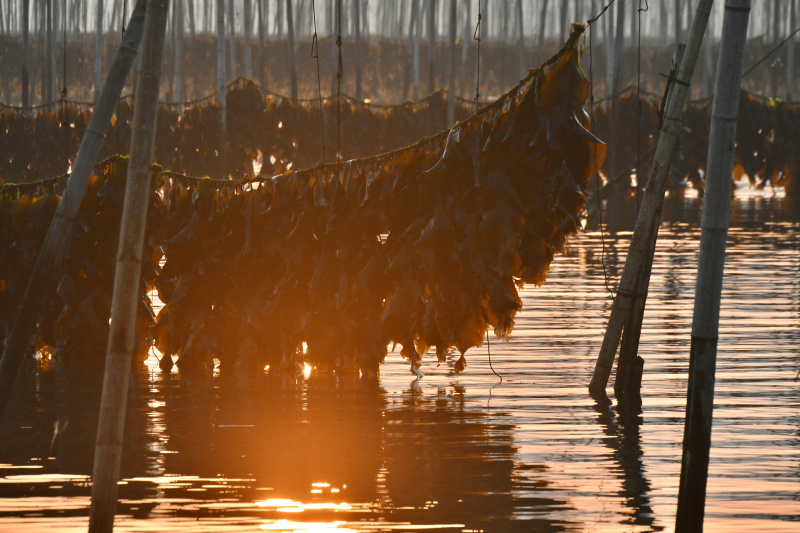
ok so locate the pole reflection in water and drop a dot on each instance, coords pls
(219, 452)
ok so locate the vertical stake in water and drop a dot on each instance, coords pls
(290, 41)
(708, 291)
(59, 235)
(223, 138)
(127, 275)
(646, 228)
(451, 67)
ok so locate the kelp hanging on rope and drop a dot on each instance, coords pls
(282, 133)
(425, 247)
(767, 140)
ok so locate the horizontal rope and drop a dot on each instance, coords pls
(374, 160)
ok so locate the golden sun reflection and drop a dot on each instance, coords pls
(286, 525)
(291, 506)
(306, 370)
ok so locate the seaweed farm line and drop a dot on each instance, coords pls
(462, 453)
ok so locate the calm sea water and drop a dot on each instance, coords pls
(459, 453)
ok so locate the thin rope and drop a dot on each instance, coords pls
(476, 35)
(489, 351)
(425, 142)
(757, 63)
(597, 173)
(315, 55)
(339, 74)
(602, 12)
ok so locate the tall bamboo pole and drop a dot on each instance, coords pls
(263, 12)
(417, 39)
(234, 66)
(614, 201)
(711, 262)
(451, 66)
(180, 41)
(221, 96)
(127, 276)
(57, 241)
(290, 42)
(98, 49)
(651, 203)
(357, 19)
(776, 9)
(248, 39)
(412, 24)
(790, 51)
(431, 46)
(190, 6)
(521, 39)
(49, 71)
(26, 51)
(542, 29)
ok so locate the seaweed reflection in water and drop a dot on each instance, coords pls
(332, 451)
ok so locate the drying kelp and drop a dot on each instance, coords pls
(75, 320)
(767, 140)
(278, 131)
(426, 247)
(426, 250)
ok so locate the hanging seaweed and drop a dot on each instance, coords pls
(425, 247)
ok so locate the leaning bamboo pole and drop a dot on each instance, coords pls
(57, 241)
(710, 267)
(649, 213)
(127, 275)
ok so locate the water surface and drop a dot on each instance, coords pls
(458, 453)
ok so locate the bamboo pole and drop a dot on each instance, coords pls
(615, 201)
(26, 51)
(221, 96)
(451, 69)
(431, 45)
(263, 11)
(357, 19)
(790, 50)
(412, 24)
(416, 58)
(641, 240)
(127, 276)
(59, 235)
(290, 41)
(190, 6)
(710, 267)
(180, 41)
(542, 31)
(248, 40)
(234, 66)
(521, 39)
(98, 49)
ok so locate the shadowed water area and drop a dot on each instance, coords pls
(458, 453)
